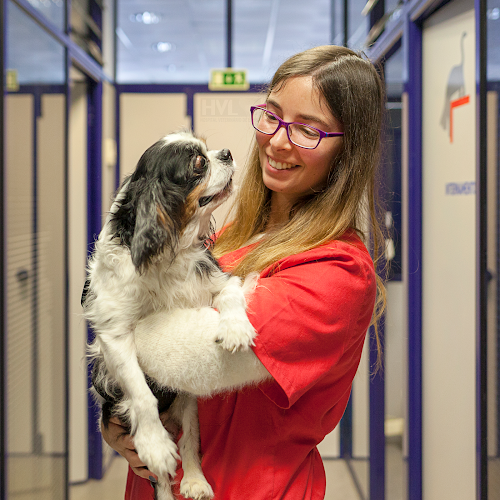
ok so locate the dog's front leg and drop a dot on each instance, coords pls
(153, 443)
(235, 330)
(193, 484)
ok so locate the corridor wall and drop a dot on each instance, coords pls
(449, 253)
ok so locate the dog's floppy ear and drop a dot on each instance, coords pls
(155, 228)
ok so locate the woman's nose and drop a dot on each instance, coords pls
(280, 139)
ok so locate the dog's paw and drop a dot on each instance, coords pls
(157, 450)
(163, 490)
(196, 487)
(235, 333)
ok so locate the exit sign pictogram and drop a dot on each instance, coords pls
(228, 79)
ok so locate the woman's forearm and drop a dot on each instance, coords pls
(178, 349)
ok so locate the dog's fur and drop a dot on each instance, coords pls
(151, 255)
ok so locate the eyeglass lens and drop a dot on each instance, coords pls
(299, 134)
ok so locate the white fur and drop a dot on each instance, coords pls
(121, 296)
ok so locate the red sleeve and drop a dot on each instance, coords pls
(308, 313)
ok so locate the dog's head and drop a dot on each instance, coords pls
(168, 200)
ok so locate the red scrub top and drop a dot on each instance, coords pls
(311, 315)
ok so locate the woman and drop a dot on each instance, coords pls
(307, 197)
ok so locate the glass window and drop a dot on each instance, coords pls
(32, 54)
(173, 42)
(266, 33)
(493, 34)
(34, 224)
(337, 33)
(391, 5)
(108, 37)
(358, 25)
(394, 75)
(85, 31)
(53, 10)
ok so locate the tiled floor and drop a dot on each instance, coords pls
(112, 487)
(339, 484)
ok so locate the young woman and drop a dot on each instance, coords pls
(304, 208)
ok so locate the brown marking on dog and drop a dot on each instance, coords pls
(191, 204)
(163, 217)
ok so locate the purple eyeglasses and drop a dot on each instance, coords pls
(300, 134)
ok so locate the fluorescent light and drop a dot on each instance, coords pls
(493, 14)
(163, 46)
(146, 17)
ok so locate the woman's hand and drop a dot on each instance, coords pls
(117, 436)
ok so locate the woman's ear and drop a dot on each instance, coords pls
(155, 229)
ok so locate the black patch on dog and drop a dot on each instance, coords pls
(207, 268)
(162, 181)
(164, 395)
(85, 292)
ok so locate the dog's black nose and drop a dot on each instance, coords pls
(225, 155)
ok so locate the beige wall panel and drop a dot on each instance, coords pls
(492, 342)
(404, 268)
(145, 118)
(108, 146)
(109, 155)
(330, 446)
(449, 255)
(224, 120)
(51, 278)
(361, 406)
(19, 114)
(77, 214)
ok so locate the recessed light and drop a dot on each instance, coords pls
(163, 46)
(146, 17)
(493, 14)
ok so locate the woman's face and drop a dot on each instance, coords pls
(289, 170)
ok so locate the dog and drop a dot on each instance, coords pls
(152, 254)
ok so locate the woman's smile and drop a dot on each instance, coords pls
(280, 165)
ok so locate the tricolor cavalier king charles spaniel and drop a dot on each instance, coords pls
(151, 255)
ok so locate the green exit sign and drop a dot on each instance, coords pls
(228, 79)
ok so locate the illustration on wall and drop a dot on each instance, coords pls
(455, 90)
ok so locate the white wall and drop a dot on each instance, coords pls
(395, 351)
(492, 342)
(449, 260)
(51, 271)
(224, 120)
(35, 352)
(109, 153)
(19, 114)
(77, 226)
(145, 118)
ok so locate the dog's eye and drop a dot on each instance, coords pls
(200, 163)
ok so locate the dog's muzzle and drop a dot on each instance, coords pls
(205, 200)
(225, 155)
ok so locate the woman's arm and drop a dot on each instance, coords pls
(179, 351)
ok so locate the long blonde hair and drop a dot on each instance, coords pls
(354, 93)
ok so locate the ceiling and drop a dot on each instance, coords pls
(179, 41)
(194, 32)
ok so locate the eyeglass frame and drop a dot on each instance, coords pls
(282, 123)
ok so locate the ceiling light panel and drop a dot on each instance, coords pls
(178, 41)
